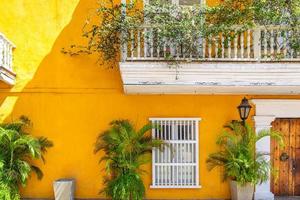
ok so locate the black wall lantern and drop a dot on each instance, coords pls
(244, 109)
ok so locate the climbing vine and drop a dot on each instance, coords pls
(103, 31)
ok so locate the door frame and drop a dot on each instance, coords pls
(266, 111)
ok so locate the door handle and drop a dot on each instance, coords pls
(284, 157)
(294, 166)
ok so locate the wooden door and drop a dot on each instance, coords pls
(286, 160)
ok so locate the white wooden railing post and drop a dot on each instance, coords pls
(10, 53)
(123, 41)
(5, 54)
(257, 44)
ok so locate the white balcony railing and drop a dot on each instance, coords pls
(6, 60)
(6, 52)
(260, 44)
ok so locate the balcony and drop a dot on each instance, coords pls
(259, 61)
(6, 57)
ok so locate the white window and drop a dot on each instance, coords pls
(176, 164)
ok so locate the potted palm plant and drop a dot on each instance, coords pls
(125, 151)
(242, 165)
(17, 149)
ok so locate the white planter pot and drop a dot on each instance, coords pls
(64, 189)
(241, 192)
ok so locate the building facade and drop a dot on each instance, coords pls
(71, 100)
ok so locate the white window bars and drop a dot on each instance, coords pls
(176, 165)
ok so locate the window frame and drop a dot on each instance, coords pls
(194, 123)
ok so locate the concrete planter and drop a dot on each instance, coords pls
(64, 189)
(239, 192)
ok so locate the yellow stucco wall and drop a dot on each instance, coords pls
(72, 99)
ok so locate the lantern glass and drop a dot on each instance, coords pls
(244, 109)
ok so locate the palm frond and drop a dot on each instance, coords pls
(37, 171)
(276, 135)
(216, 159)
(45, 144)
(144, 130)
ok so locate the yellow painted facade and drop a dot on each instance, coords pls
(71, 100)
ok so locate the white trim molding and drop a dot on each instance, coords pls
(265, 78)
(267, 110)
(280, 108)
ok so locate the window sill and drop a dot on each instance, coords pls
(175, 187)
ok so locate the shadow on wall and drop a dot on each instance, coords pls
(62, 100)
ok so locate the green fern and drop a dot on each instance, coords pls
(125, 151)
(238, 156)
(17, 149)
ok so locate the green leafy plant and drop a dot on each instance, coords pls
(182, 28)
(283, 13)
(111, 31)
(125, 151)
(230, 18)
(238, 157)
(17, 149)
(175, 26)
(236, 16)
